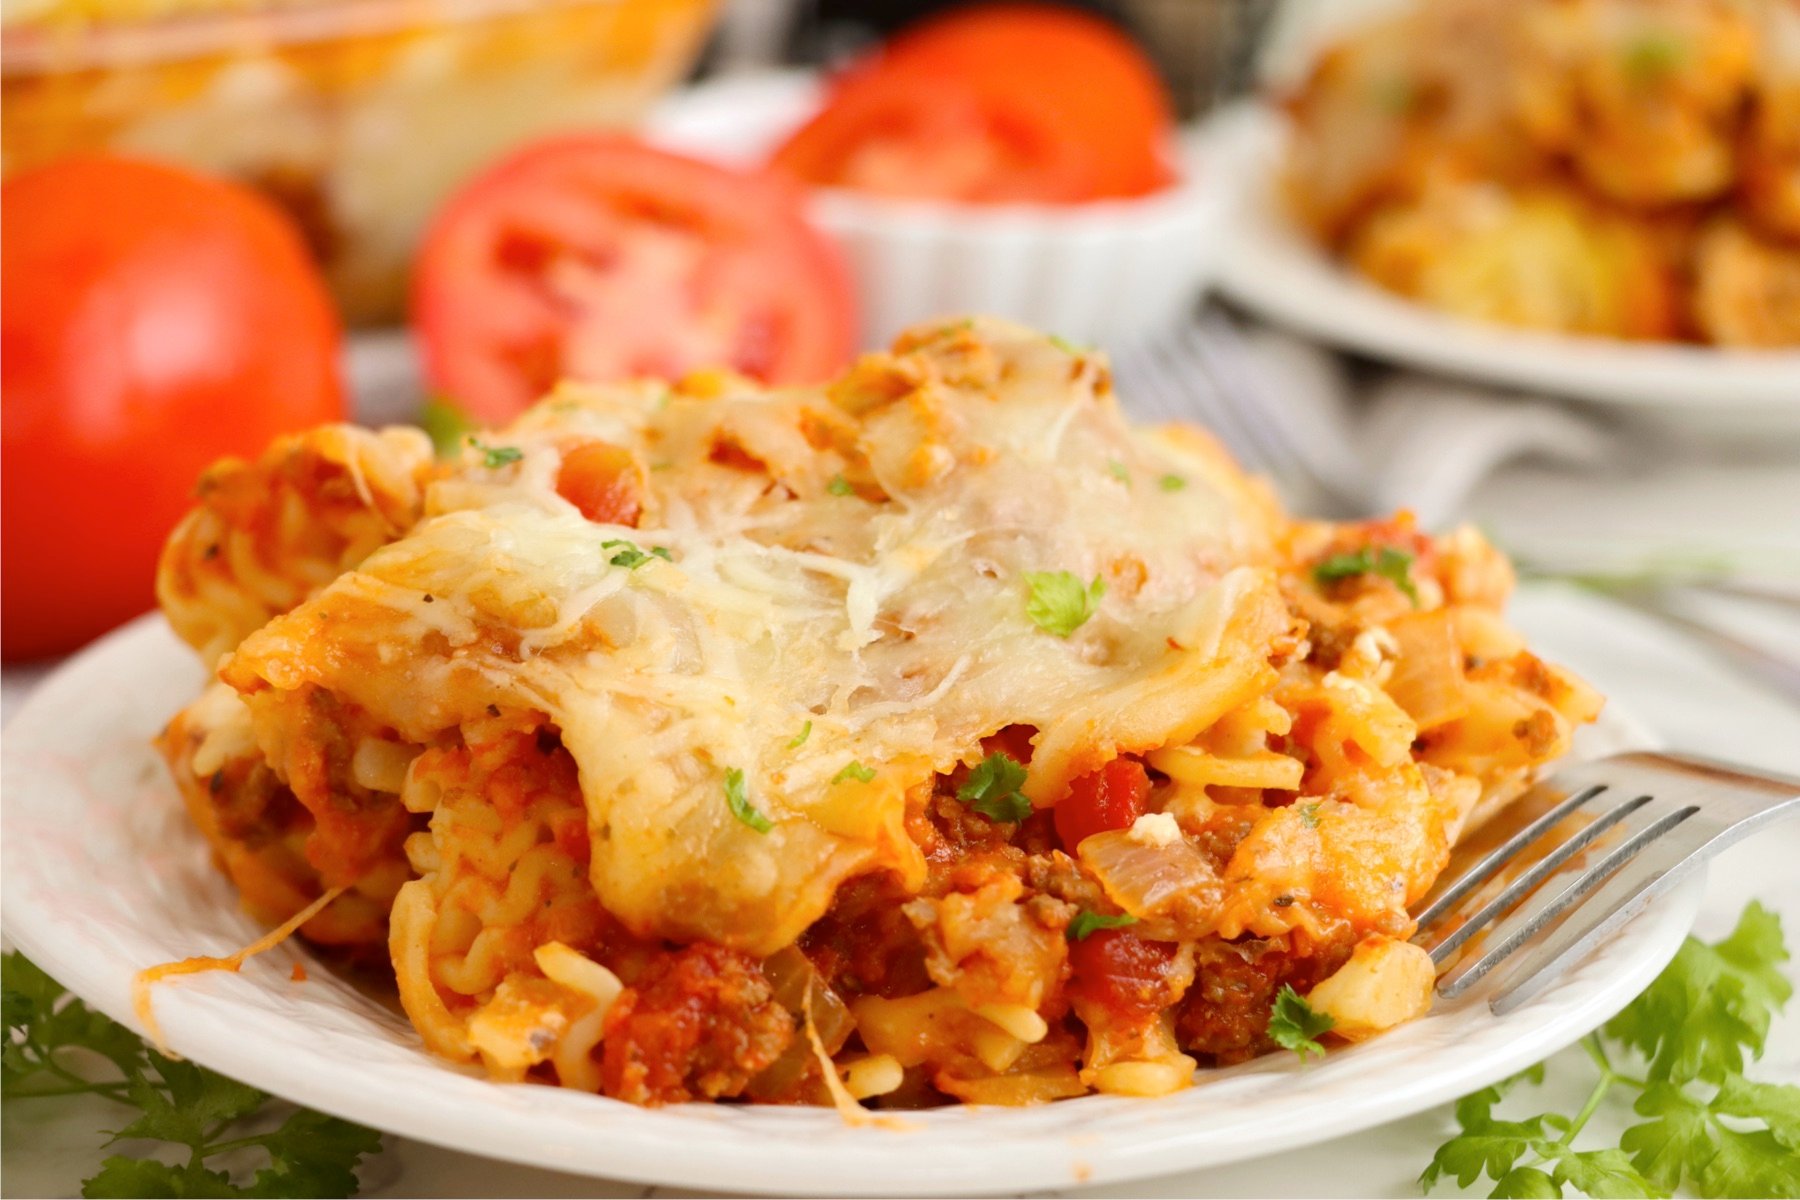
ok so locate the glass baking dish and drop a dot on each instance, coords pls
(358, 116)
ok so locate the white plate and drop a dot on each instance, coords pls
(1272, 267)
(103, 875)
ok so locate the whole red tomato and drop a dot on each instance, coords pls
(151, 321)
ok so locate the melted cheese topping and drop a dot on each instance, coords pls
(857, 559)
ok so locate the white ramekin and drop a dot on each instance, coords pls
(1106, 273)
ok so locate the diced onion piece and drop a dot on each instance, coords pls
(1144, 879)
(790, 974)
(1428, 671)
(1192, 765)
(1385, 983)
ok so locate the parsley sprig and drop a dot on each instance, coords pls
(1707, 1128)
(495, 457)
(445, 424)
(1087, 922)
(1390, 564)
(737, 799)
(633, 556)
(992, 789)
(1059, 603)
(54, 1047)
(1295, 1025)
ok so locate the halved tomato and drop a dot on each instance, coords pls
(597, 257)
(1000, 102)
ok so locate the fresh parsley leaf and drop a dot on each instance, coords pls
(445, 424)
(992, 789)
(1293, 1025)
(1171, 483)
(839, 486)
(1395, 95)
(1707, 1130)
(493, 457)
(800, 738)
(1309, 815)
(131, 1178)
(1711, 1003)
(738, 800)
(1088, 923)
(186, 1106)
(854, 770)
(632, 556)
(1117, 470)
(312, 1154)
(1652, 55)
(1776, 1105)
(1393, 565)
(1525, 1183)
(1059, 603)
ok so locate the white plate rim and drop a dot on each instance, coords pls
(967, 1150)
(1270, 267)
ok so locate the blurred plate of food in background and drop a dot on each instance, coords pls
(1600, 200)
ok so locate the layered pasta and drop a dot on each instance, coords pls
(932, 736)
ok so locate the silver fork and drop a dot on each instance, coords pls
(1648, 819)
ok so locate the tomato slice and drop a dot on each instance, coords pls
(1002, 102)
(596, 257)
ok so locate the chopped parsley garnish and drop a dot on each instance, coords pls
(56, 1046)
(1117, 470)
(445, 424)
(1171, 483)
(992, 789)
(854, 770)
(1087, 923)
(494, 457)
(1679, 1051)
(1309, 815)
(1652, 55)
(839, 486)
(800, 738)
(1394, 95)
(1293, 1025)
(631, 556)
(1059, 603)
(739, 802)
(1065, 345)
(1385, 561)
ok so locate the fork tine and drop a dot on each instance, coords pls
(1655, 870)
(1502, 854)
(1527, 882)
(1539, 909)
(1617, 900)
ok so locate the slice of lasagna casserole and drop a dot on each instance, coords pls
(933, 735)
